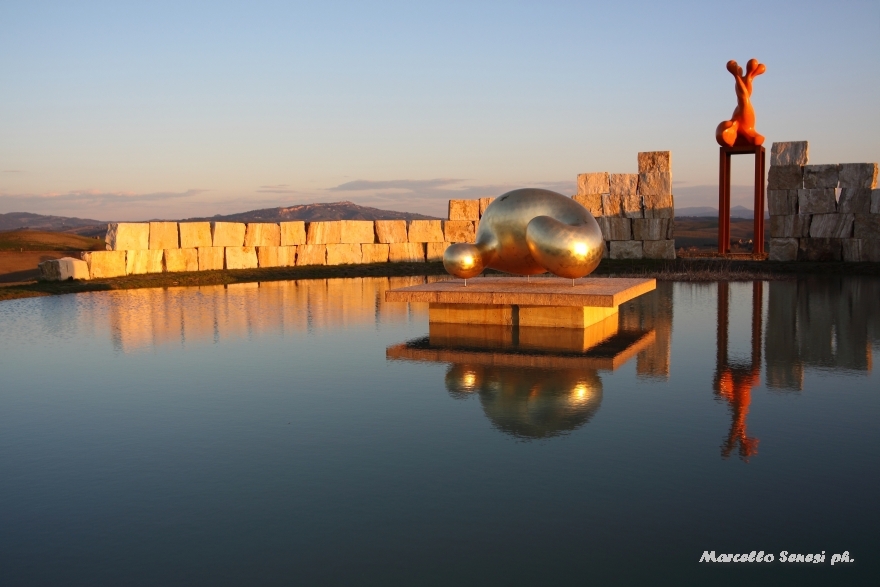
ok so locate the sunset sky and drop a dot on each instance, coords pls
(131, 111)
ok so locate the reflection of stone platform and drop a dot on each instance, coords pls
(514, 301)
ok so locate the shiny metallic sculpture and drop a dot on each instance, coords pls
(531, 231)
(740, 129)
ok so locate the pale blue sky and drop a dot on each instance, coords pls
(130, 111)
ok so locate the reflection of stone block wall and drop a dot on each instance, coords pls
(652, 311)
(821, 212)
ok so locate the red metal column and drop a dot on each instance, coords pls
(723, 201)
(758, 237)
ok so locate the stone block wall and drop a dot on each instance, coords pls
(821, 212)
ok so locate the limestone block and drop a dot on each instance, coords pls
(875, 201)
(790, 153)
(311, 255)
(611, 205)
(406, 253)
(105, 263)
(670, 229)
(650, 229)
(854, 201)
(183, 259)
(785, 177)
(262, 234)
(659, 206)
(227, 234)
(832, 226)
(459, 231)
(867, 226)
(624, 184)
(293, 233)
(821, 176)
(357, 232)
(593, 183)
(64, 269)
(615, 229)
(429, 231)
(128, 236)
(241, 258)
(194, 235)
(655, 161)
(851, 250)
(163, 235)
(592, 202)
(212, 258)
(484, 203)
(819, 249)
(858, 175)
(781, 202)
(324, 233)
(464, 210)
(632, 206)
(783, 249)
(391, 231)
(344, 254)
(790, 226)
(377, 253)
(435, 251)
(655, 184)
(662, 249)
(276, 256)
(627, 250)
(817, 201)
(870, 250)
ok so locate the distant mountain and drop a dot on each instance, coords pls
(18, 220)
(318, 212)
(708, 211)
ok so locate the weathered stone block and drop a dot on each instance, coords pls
(670, 229)
(459, 231)
(611, 205)
(241, 258)
(406, 253)
(357, 231)
(817, 201)
(194, 235)
(344, 254)
(831, 226)
(650, 229)
(655, 161)
(128, 236)
(659, 206)
(655, 184)
(854, 201)
(262, 234)
(183, 259)
(435, 251)
(632, 206)
(821, 176)
(63, 269)
(311, 255)
(662, 249)
(790, 226)
(592, 202)
(858, 175)
(593, 183)
(819, 249)
(212, 258)
(624, 184)
(227, 234)
(293, 233)
(104, 264)
(377, 253)
(276, 256)
(785, 177)
(875, 201)
(851, 250)
(867, 226)
(780, 202)
(870, 250)
(464, 210)
(391, 231)
(615, 229)
(427, 231)
(790, 153)
(783, 249)
(324, 233)
(484, 203)
(627, 250)
(163, 235)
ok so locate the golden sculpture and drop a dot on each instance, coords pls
(740, 129)
(531, 231)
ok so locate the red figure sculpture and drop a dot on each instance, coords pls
(740, 129)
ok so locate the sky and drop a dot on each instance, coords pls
(140, 110)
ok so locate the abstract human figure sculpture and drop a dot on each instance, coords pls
(531, 231)
(740, 129)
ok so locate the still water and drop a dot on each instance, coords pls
(310, 433)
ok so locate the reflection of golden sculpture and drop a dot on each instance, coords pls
(531, 231)
(740, 129)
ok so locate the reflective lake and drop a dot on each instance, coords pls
(310, 433)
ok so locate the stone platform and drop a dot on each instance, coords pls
(514, 301)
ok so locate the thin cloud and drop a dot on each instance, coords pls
(281, 188)
(89, 202)
(411, 185)
(13, 171)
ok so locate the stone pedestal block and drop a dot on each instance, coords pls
(183, 259)
(276, 256)
(662, 249)
(344, 254)
(854, 201)
(195, 234)
(627, 250)
(324, 233)
(785, 177)
(659, 206)
(163, 235)
(435, 251)
(624, 184)
(357, 232)
(783, 249)
(831, 226)
(311, 255)
(867, 226)
(782, 202)
(821, 176)
(64, 269)
(790, 226)
(293, 233)
(611, 205)
(105, 263)
(631, 205)
(858, 175)
(213, 258)
(140, 262)
(592, 202)
(484, 203)
(870, 250)
(851, 250)
(655, 161)
(790, 153)
(262, 234)
(227, 234)
(650, 229)
(817, 201)
(127, 236)
(377, 253)
(875, 201)
(406, 253)
(464, 209)
(615, 229)
(819, 249)
(655, 184)
(391, 231)
(593, 183)
(459, 231)
(241, 258)
(428, 231)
